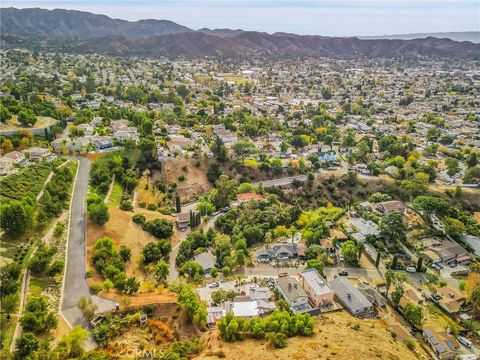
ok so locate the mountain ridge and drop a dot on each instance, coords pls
(77, 31)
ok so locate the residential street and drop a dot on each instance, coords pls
(75, 284)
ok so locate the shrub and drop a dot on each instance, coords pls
(37, 318)
(160, 228)
(139, 219)
(96, 288)
(126, 205)
(278, 340)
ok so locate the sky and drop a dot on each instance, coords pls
(316, 17)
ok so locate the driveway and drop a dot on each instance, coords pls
(75, 284)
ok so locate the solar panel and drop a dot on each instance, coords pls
(440, 348)
(433, 340)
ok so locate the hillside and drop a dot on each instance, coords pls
(82, 32)
(72, 23)
(472, 36)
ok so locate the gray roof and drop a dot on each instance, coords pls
(316, 282)
(290, 288)
(349, 295)
(206, 260)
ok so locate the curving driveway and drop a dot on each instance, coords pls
(74, 282)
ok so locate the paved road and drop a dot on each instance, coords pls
(75, 284)
(283, 181)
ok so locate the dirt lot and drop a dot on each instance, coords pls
(334, 338)
(195, 183)
(124, 231)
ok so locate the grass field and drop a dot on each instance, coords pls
(116, 195)
(13, 124)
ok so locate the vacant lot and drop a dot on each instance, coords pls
(335, 338)
(124, 231)
(13, 124)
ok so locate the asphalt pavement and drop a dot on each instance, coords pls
(75, 284)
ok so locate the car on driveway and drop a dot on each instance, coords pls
(464, 341)
(343, 273)
(411, 269)
(213, 285)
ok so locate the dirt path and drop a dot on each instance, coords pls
(110, 189)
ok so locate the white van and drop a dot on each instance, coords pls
(410, 269)
(464, 341)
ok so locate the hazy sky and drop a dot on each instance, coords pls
(321, 17)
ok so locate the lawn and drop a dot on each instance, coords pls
(116, 195)
(37, 286)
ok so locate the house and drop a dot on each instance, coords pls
(206, 260)
(350, 297)
(387, 207)
(37, 154)
(470, 240)
(259, 293)
(450, 251)
(86, 128)
(243, 307)
(372, 295)
(293, 294)
(102, 142)
(126, 134)
(365, 227)
(215, 313)
(280, 251)
(17, 157)
(452, 299)
(442, 344)
(317, 289)
(183, 220)
(6, 165)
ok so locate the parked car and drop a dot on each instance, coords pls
(343, 273)
(213, 285)
(411, 269)
(464, 341)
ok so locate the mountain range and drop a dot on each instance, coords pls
(77, 31)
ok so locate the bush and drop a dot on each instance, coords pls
(96, 288)
(37, 319)
(152, 207)
(160, 228)
(56, 268)
(126, 205)
(139, 219)
(98, 213)
(155, 251)
(278, 340)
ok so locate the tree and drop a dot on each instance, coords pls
(243, 149)
(419, 264)
(26, 345)
(225, 192)
(162, 271)
(416, 186)
(155, 251)
(98, 213)
(26, 117)
(413, 314)
(472, 160)
(219, 150)
(107, 285)
(397, 294)
(88, 307)
(432, 205)
(454, 228)
(472, 175)
(191, 268)
(316, 264)
(452, 166)
(389, 278)
(7, 145)
(71, 344)
(160, 228)
(125, 253)
(377, 260)
(350, 252)
(9, 304)
(16, 217)
(4, 114)
(393, 227)
(37, 318)
(178, 205)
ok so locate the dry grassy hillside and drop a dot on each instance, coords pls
(335, 338)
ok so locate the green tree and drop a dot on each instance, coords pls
(393, 227)
(350, 252)
(98, 213)
(162, 271)
(178, 205)
(26, 117)
(16, 217)
(413, 314)
(4, 114)
(432, 205)
(26, 345)
(243, 149)
(72, 345)
(417, 185)
(9, 303)
(317, 265)
(454, 228)
(219, 150)
(88, 307)
(37, 318)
